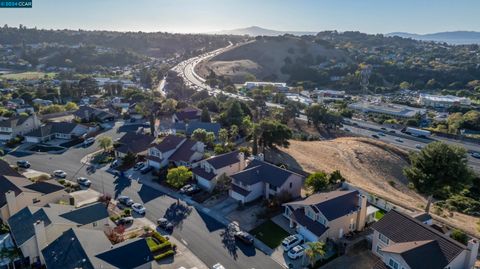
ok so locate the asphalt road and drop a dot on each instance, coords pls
(203, 235)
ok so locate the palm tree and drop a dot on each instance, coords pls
(105, 142)
(314, 251)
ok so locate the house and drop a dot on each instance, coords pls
(17, 192)
(90, 249)
(18, 125)
(56, 130)
(134, 142)
(175, 149)
(207, 171)
(25, 109)
(88, 114)
(262, 179)
(328, 214)
(34, 227)
(401, 241)
(189, 128)
(185, 115)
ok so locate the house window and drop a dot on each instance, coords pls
(393, 264)
(378, 250)
(310, 215)
(291, 185)
(383, 238)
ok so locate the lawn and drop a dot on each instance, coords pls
(28, 75)
(270, 233)
(379, 214)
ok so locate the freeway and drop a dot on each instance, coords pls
(202, 234)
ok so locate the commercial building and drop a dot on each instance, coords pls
(328, 95)
(391, 110)
(442, 101)
(280, 86)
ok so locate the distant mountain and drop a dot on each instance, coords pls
(259, 31)
(456, 37)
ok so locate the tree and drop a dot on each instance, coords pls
(439, 169)
(205, 117)
(335, 176)
(105, 142)
(234, 114)
(316, 113)
(274, 133)
(203, 136)
(405, 85)
(233, 132)
(314, 251)
(317, 181)
(169, 105)
(459, 236)
(178, 177)
(223, 136)
(129, 159)
(71, 106)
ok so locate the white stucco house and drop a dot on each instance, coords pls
(18, 125)
(57, 130)
(175, 149)
(207, 171)
(328, 214)
(262, 179)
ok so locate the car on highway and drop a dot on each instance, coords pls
(476, 155)
(125, 221)
(392, 131)
(89, 141)
(418, 146)
(291, 241)
(399, 140)
(383, 128)
(381, 134)
(347, 130)
(139, 208)
(84, 181)
(125, 200)
(375, 136)
(296, 252)
(59, 174)
(138, 166)
(24, 164)
(165, 224)
(244, 237)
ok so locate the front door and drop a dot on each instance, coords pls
(340, 233)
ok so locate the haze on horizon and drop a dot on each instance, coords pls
(189, 16)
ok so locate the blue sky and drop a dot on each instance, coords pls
(370, 16)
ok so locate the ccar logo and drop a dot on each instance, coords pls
(15, 3)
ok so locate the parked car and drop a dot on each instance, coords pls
(296, 252)
(375, 136)
(146, 169)
(89, 141)
(244, 237)
(291, 241)
(125, 221)
(392, 131)
(23, 164)
(165, 224)
(139, 208)
(476, 155)
(115, 163)
(59, 174)
(84, 181)
(139, 166)
(218, 266)
(125, 200)
(190, 189)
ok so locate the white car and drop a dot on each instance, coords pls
(84, 181)
(291, 241)
(296, 252)
(399, 140)
(59, 174)
(139, 166)
(139, 208)
(89, 141)
(418, 146)
(218, 266)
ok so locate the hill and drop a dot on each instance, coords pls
(454, 38)
(259, 31)
(266, 57)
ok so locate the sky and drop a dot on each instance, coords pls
(189, 16)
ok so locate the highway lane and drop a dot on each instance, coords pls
(202, 234)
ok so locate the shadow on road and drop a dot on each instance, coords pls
(229, 242)
(148, 194)
(176, 213)
(211, 223)
(121, 183)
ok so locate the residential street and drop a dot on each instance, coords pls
(199, 232)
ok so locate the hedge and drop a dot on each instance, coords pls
(161, 246)
(159, 237)
(164, 255)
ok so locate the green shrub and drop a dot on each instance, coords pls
(162, 246)
(460, 236)
(127, 212)
(61, 181)
(159, 237)
(164, 255)
(114, 218)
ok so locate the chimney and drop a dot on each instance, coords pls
(429, 202)
(241, 158)
(362, 213)
(472, 252)
(11, 202)
(41, 236)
